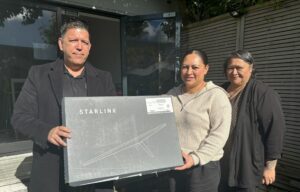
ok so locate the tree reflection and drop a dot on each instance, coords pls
(49, 34)
(29, 14)
(138, 29)
(22, 27)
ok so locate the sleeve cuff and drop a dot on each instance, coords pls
(195, 158)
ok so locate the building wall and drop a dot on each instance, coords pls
(15, 157)
(271, 32)
(125, 7)
(217, 37)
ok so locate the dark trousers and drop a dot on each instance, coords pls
(148, 183)
(237, 189)
(204, 178)
(99, 187)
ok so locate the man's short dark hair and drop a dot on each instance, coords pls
(73, 24)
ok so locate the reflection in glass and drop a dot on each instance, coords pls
(151, 56)
(28, 37)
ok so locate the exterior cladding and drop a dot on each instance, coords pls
(125, 7)
(271, 32)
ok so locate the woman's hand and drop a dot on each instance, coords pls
(269, 172)
(188, 162)
(268, 176)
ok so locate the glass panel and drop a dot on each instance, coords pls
(28, 37)
(150, 56)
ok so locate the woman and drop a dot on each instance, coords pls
(203, 117)
(256, 135)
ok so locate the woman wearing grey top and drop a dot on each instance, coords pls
(203, 116)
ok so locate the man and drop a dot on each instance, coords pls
(37, 112)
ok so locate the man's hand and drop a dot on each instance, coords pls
(188, 162)
(57, 135)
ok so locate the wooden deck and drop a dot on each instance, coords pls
(15, 172)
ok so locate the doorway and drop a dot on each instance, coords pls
(150, 53)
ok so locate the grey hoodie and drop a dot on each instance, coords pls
(203, 121)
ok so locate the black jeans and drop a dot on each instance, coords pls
(204, 178)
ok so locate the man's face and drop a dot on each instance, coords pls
(75, 45)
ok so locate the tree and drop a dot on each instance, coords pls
(29, 14)
(197, 10)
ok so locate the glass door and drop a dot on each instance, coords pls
(150, 53)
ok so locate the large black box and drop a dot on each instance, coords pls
(118, 137)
